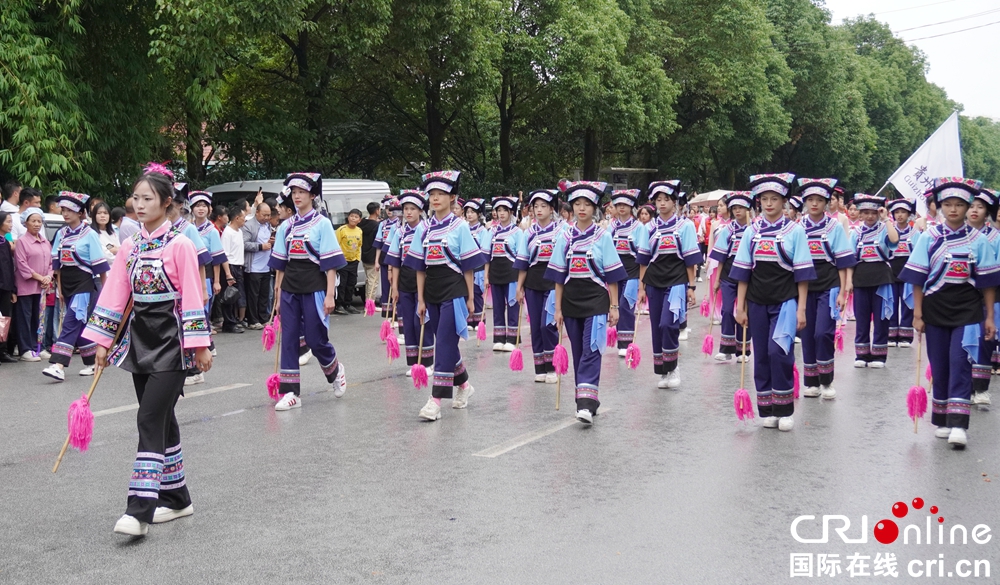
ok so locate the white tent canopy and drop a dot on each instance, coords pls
(709, 197)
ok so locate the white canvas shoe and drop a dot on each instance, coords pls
(539, 378)
(131, 526)
(585, 417)
(431, 410)
(904, 344)
(683, 335)
(860, 364)
(622, 352)
(662, 382)
(498, 346)
(742, 358)
(828, 393)
(723, 357)
(462, 394)
(674, 379)
(785, 423)
(198, 378)
(811, 391)
(509, 347)
(876, 365)
(304, 358)
(769, 422)
(87, 371)
(164, 514)
(942, 432)
(957, 438)
(288, 401)
(551, 378)
(31, 357)
(55, 372)
(982, 398)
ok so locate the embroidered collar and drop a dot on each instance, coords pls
(79, 229)
(157, 233)
(301, 219)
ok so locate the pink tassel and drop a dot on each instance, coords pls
(419, 374)
(369, 307)
(839, 339)
(633, 355)
(612, 336)
(705, 307)
(516, 360)
(481, 331)
(268, 337)
(560, 360)
(708, 346)
(916, 402)
(795, 380)
(743, 405)
(386, 331)
(392, 348)
(274, 387)
(81, 424)
(928, 374)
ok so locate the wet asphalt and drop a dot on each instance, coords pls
(666, 487)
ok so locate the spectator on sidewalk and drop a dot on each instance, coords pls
(8, 288)
(11, 191)
(130, 224)
(369, 229)
(257, 244)
(33, 275)
(349, 237)
(232, 243)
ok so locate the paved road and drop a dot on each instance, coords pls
(666, 487)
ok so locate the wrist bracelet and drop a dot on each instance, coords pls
(615, 307)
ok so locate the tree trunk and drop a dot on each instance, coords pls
(192, 145)
(591, 155)
(506, 123)
(435, 132)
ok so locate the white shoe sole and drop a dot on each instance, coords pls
(942, 432)
(60, 378)
(430, 417)
(131, 527)
(167, 514)
(811, 392)
(283, 407)
(958, 442)
(463, 403)
(770, 422)
(585, 417)
(340, 382)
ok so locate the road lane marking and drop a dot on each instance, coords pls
(205, 392)
(522, 440)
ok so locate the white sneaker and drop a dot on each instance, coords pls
(723, 357)
(828, 393)
(699, 279)
(431, 410)
(860, 364)
(942, 432)
(214, 352)
(662, 382)
(981, 398)
(131, 526)
(957, 438)
(304, 358)
(769, 422)
(539, 378)
(850, 318)
(683, 335)
(461, 399)
(785, 423)
(409, 374)
(198, 378)
(876, 365)
(88, 371)
(401, 339)
(340, 381)
(585, 417)
(622, 352)
(904, 344)
(811, 391)
(45, 354)
(742, 358)
(54, 371)
(498, 346)
(31, 357)
(551, 378)
(288, 401)
(509, 347)
(164, 514)
(674, 379)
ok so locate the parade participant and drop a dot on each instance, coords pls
(77, 257)
(953, 272)
(381, 244)
(773, 268)
(832, 257)
(534, 252)
(404, 280)
(622, 227)
(201, 208)
(667, 255)
(873, 242)
(931, 219)
(853, 214)
(901, 322)
(167, 332)
(794, 211)
(587, 271)
(727, 244)
(473, 209)
(445, 257)
(980, 216)
(501, 276)
(306, 258)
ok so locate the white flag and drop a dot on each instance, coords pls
(939, 156)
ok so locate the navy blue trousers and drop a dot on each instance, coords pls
(981, 369)
(868, 308)
(411, 332)
(449, 371)
(665, 329)
(901, 322)
(817, 340)
(299, 316)
(732, 332)
(626, 319)
(504, 315)
(586, 363)
(952, 370)
(477, 304)
(70, 337)
(772, 367)
(544, 338)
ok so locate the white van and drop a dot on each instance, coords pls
(339, 195)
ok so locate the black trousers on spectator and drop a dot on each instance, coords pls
(258, 286)
(7, 310)
(231, 313)
(27, 322)
(348, 282)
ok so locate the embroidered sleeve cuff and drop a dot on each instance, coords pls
(196, 331)
(102, 326)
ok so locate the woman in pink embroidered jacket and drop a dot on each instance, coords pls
(167, 332)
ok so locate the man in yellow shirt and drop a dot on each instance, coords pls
(349, 237)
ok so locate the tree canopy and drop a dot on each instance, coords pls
(516, 93)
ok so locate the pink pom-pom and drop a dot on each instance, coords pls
(633, 355)
(81, 424)
(392, 348)
(274, 387)
(743, 405)
(928, 374)
(708, 346)
(516, 360)
(795, 380)
(369, 307)
(155, 167)
(268, 337)
(386, 330)
(481, 331)
(560, 360)
(838, 337)
(704, 307)
(612, 336)
(419, 374)
(916, 402)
